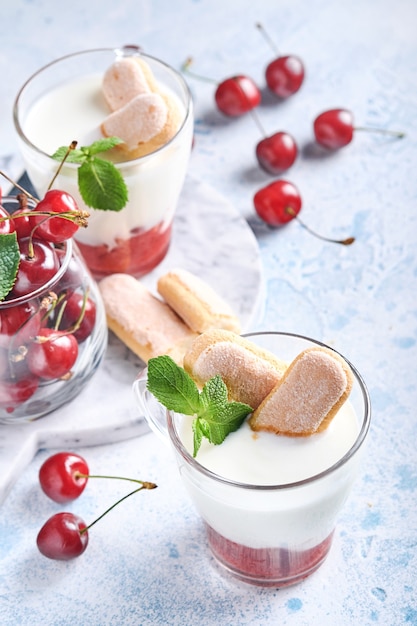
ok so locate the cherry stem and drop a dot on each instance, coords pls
(49, 303)
(186, 68)
(72, 329)
(27, 194)
(266, 36)
(71, 147)
(382, 131)
(344, 242)
(257, 121)
(144, 485)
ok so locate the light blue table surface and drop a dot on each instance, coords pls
(147, 562)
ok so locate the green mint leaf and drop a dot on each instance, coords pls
(198, 436)
(216, 417)
(214, 395)
(102, 145)
(9, 262)
(172, 386)
(229, 419)
(74, 156)
(101, 185)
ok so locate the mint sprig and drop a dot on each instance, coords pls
(9, 262)
(215, 416)
(100, 183)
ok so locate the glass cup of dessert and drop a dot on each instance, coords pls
(269, 502)
(53, 330)
(120, 92)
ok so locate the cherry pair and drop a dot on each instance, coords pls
(239, 94)
(63, 477)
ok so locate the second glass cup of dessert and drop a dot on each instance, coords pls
(63, 102)
(269, 502)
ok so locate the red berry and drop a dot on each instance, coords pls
(55, 229)
(14, 392)
(35, 270)
(52, 354)
(61, 538)
(59, 476)
(276, 153)
(73, 276)
(237, 95)
(19, 324)
(72, 313)
(333, 129)
(278, 203)
(285, 75)
(6, 225)
(23, 223)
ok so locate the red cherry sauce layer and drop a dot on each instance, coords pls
(275, 567)
(137, 256)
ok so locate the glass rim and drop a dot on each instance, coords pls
(4, 304)
(361, 436)
(119, 52)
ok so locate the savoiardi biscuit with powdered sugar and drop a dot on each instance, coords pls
(308, 396)
(248, 371)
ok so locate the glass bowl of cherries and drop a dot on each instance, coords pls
(53, 332)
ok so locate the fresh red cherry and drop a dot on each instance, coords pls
(38, 265)
(64, 536)
(56, 229)
(334, 129)
(23, 223)
(19, 324)
(237, 95)
(285, 74)
(234, 96)
(79, 311)
(6, 223)
(73, 276)
(52, 354)
(278, 203)
(14, 392)
(63, 476)
(277, 153)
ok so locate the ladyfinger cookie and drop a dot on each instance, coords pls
(308, 396)
(148, 326)
(122, 81)
(138, 121)
(249, 372)
(141, 114)
(196, 302)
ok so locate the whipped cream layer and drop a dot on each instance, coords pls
(297, 517)
(262, 458)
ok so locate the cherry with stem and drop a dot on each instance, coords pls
(275, 153)
(280, 202)
(285, 74)
(64, 476)
(334, 129)
(234, 96)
